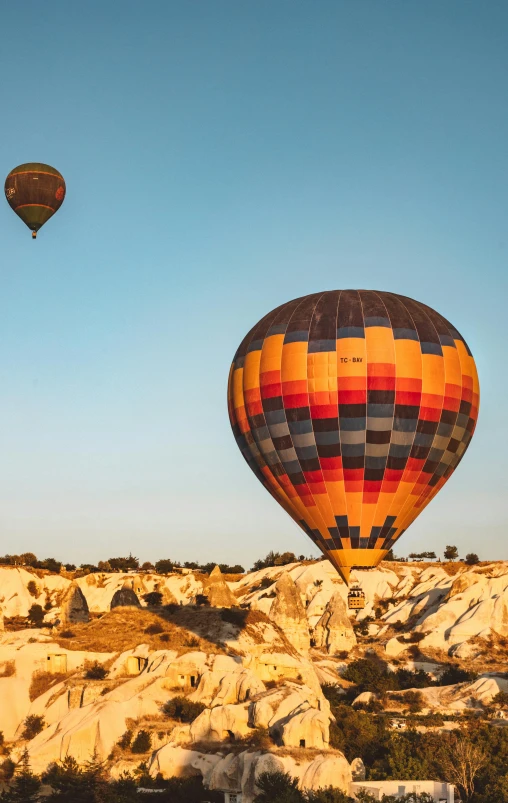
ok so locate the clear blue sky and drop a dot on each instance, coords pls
(222, 158)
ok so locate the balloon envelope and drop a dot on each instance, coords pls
(35, 192)
(353, 408)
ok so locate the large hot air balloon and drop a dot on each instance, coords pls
(35, 191)
(353, 408)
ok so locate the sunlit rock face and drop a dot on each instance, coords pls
(74, 607)
(252, 668)
(334, 631)
(218, 592)
(288, 613)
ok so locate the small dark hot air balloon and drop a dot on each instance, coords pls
(35, 192)
(353, 408)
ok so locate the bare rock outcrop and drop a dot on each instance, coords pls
(288, 613)
(125, 598)
(294, 715)
(74, 607)
(310, 728)
(218, 592)
(219, 687)
(239, 772)
(334, 631)
(327, 771)
(221, 724)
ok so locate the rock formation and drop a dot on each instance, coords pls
(288, 613)
(309, 728)
(358, 769)
(74, 607)
(260, 676)
(218, 592)
(334, 631)
(239, 772)
(125, 598)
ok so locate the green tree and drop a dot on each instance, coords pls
(123, 564)
(500, 699)
(182, 709)
(454, 674)
(26, 786)
(371, 675)
(153, 598)
(36, 615)
(142, 743)
(496, 791)
(202, 599)
(164, 566)
(7, 770)
(278, 786)
(28, 559)
(451, 553)
(472, 558)
(33, 725)
(72, 783)
(328, 795)
(413, 700)
(51, 565)
(359, 733)
(285, 558)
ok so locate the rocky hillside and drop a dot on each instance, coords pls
(231, 679)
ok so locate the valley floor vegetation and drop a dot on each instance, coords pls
(70, 783)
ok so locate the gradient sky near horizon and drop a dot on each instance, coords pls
(222, 158)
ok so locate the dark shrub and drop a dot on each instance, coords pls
(142, 743)
(266, 583)
(408, 679)
(164, 566)
(96, 672)
(182, 709)
(36, 615)
(414, 700)
(154, 629)
(7, 770)
(202, 599)
(192, 641)
(235, 616)
(415, 638)
(153, 598)
(33, 725)
(125, 740)
(333, 693)
(278, 786)
(454, 674)
(51, 565)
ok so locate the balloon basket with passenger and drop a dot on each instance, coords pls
(356, 598)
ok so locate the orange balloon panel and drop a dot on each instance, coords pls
(353, 408)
